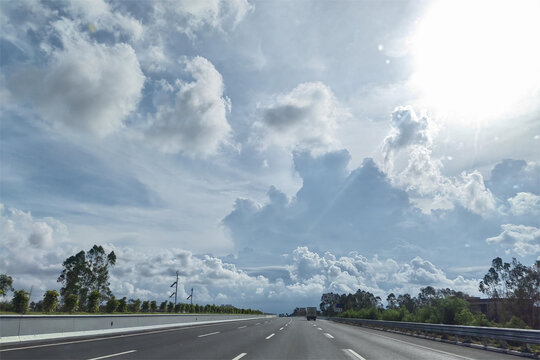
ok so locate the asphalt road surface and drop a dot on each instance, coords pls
(276, 338)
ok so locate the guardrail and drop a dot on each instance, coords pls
(502, 334)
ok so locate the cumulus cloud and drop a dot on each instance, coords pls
(407, 129)
(520, 239)
(190, 16)
(86, 86)
(196, 123)
(509, 177)
(524, 204)
(304, 119)
(422, 177)
(41, 235)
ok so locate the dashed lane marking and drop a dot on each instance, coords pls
(111, 355)
(240, 356)
(241, 327)
(269, 336)
(280, 328)
(354, 353)
(212, 333)
(319, 329)
(328, 335)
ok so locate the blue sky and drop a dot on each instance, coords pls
(269, 151)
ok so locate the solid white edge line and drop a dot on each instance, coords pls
(212, 333)
(269, 336)
(111, 355)
(328, 335)
(358, 356)
(240, 356)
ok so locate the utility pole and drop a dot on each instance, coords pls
(190, 297)
(175, 293)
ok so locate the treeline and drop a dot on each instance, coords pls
(513, 288)
(86, 288)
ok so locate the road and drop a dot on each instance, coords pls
(276, 338)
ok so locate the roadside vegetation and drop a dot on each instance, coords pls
(86, 290)
(513, 292)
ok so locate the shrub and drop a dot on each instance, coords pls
(71, 303)
(50, 301)
(20, 301)
(112, 305)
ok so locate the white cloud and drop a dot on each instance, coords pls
(472, 193)
(305, 118)
(197, 121)
(190, 16)
(86, 86)
(407, 129)
(524, 203)
(41, 235)
(520, 239)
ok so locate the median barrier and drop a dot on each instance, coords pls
(23, 328)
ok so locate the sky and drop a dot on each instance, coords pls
(269, 151)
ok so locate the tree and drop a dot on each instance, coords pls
(122, 305)
(407, 302)
(20, 301)
(93, 301)
(71, 303)
(134, 305)
(50, 301)
(153, 306)
(170, 306)
(145, 306)
(86, 272)
(112, 305)
(6, 284)
(392, 301)
(163, 306)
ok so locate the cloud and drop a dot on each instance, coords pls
(191, 16)
(41, 235)
(86, 86)
(407, 129)
(509, 177)
(196, 123)
(520, 239)
(304, 119)
(524, 204)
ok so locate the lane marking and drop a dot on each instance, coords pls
(328, 335)
(280, 328)
(212, 333)
(355, 354)
(241, 327)
(257, 323)
(269, 336)
(319, 329)
(240, 356)
(117, 354)
(110, 337)
(420, 346)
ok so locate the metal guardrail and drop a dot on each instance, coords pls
(502, 334)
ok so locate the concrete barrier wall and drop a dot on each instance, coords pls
(20, 328)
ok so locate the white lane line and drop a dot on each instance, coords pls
(354, 353)
(319, 329)
(269, 336)
(258, 324)
(241, 327)
(117, 354)
(240, 356)
(423, 347)
(280, 328)
(212, 333)
(328, 335)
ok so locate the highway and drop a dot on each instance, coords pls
(275, 338)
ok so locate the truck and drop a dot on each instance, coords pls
(311, 313)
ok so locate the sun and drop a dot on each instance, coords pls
(478, 60)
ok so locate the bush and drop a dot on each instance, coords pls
(122, 305)
(20, 301)
(464, 317)
(112, 305)
(517, 323)
(71, 303)
(93, 301)
(50, 301)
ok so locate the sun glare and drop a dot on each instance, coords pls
(478, 60)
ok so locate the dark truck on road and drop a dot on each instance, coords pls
(311, 313)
